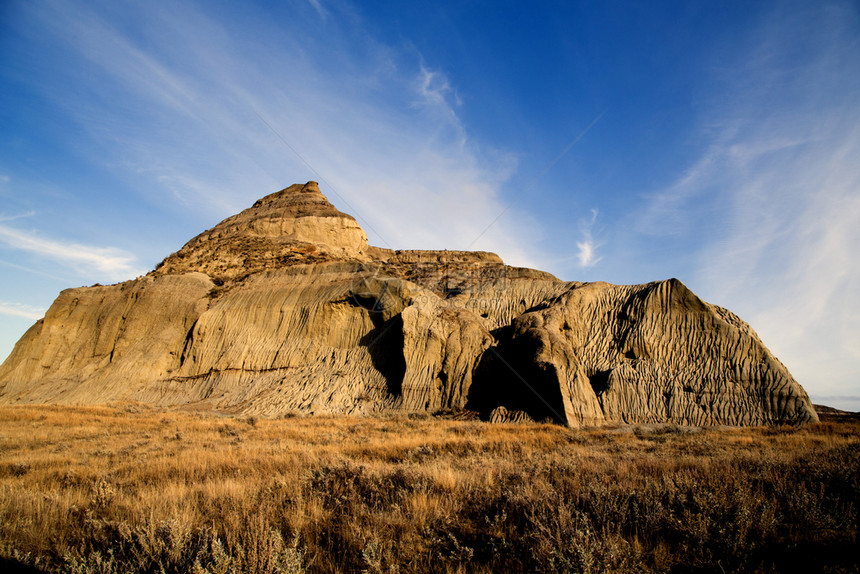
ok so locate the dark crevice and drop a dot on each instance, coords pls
(444, 389)
(186, 345)
(385, 345)
(502, 333)
(599, 381)
(443, 378)
(452, 291)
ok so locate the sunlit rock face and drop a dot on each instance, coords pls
(285, 307)
(294, 225)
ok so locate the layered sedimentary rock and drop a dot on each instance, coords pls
(286, 307)
(294, 225)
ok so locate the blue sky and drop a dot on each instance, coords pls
(715, 142)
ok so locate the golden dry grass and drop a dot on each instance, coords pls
(133, 489)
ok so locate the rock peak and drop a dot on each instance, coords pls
(297, 195)
(294, 201)
(297, 224)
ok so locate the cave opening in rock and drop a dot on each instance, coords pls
(510, 376)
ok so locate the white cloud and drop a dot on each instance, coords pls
(20, 310)
(586, 254)
(587, 248)
(111, 263)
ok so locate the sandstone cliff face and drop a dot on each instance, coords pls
(285, 307)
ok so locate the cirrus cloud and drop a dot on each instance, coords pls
(108, 262)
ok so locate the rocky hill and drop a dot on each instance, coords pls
(286, 307)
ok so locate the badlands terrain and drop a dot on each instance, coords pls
(279, 396)
(285, 308)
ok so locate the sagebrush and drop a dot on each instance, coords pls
(133, 489)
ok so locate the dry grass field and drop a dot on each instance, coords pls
(132, 489)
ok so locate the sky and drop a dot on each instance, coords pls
(714, 142)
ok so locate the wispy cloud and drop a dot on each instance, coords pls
(668, 210)
(587, 254)
(319, 8)
(20, 310)
(774, 199)
(111, 263)
(17, 216)
(378, 124)
(62, 279)
(433, 86)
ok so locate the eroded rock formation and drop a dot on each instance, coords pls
(286, 307)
